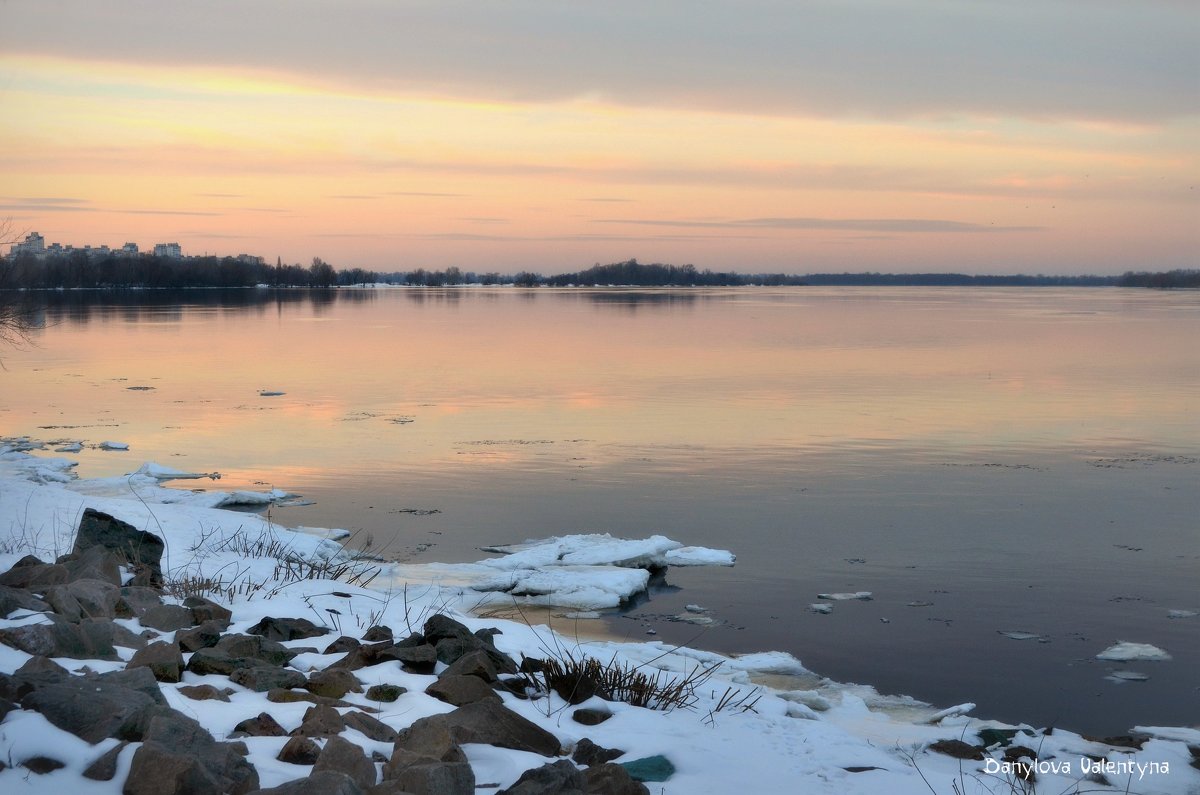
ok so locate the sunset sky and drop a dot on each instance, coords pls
(1059, 136)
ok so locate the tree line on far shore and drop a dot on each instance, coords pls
(113, 271)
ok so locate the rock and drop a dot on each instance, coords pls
(326, 782)
(163, 659)
(136, 547)
(35, 575)
(207, 610)
(95, 563)
(320, 721)
(378, 633)
(651, 768)
(60, 638)
(103, 632)
(137, 599)
(460, 690)
(957, 749)
(178, 757)
(262, 725)
(589, 716)
(94, 708)
(204, 636)
(204, 693)
(440, 626)
(428, 777)
(415, 659)
(281, 696)
(333, 683)
(283, 629)
(385, 693)
(254, 647)
(82, 599)
(299, 750)
(475, 663)
(490, 723)
(105, 766)
(342, 645)
(343, 756)
(590, 754)
(261, 678)
(610, 779)
(41, 765)
(12, 599)
(167, 618)
(550, 779)
(215, 661)
(371, 728)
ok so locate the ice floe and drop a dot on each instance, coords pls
(1124, 651)
(113, 445)
(862, 596)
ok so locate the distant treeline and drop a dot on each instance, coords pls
(80, 269)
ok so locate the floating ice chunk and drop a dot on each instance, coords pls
(270, 393)
(951, 712)
(695, 609)
(821, 608)
(1124, 651)
(768, 662)
(160, 472)
(582, 615)
(1127, 676)
(863, 596)
(113, 445)
(73, 447)
(582, 587)
(699, 556)
(1182, 614)
(692, 618)
(1017, 634)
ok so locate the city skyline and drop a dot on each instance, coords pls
(762, 137)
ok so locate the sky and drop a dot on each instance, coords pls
(982, 136)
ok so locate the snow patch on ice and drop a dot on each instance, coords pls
(1124, 651)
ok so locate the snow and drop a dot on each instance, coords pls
(862, 596)
(113, 445)
(801, 735)
(1124, 651)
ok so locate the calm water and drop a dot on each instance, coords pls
(1010, 459)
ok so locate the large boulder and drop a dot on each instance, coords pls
(491, 723)
(333, 683)
(141, 550)
(93, 708)
(178, 757)
(12, 599)
(326, 782)
(282, 629)
(167, 618)
(80, 599)
(31, 574)
(460, 690)
(163, 659)
(94, 563)
(261, 678)
(342, 756)
(89, 639)
(555, 778)
(253, 646)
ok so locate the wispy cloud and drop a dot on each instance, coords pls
(915, 225)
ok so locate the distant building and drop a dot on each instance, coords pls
(249, 259)
(33, 244)
(128, 250)
(171, 250)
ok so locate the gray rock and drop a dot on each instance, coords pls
(215, 661)
(207, 610)
(326, 782)
(343, 756)
(253, 646)
(102, 632)
(590, 754)
(491, 723)
(167, 618)
(136, 547)
(163, 659)
(460, 690)
(610, 779)
(475, 663)
(12, 599)
(333, 683)
(93, 708)
(178, 757)
(283, 629)
(105, 766)
(137, 599)
(378, 633)
(385, 693)
(281, 696)
(415, 659)
(555, 778)
(320, 721)
(35, 575)
(299, 750)
(204, 636)
(262, 725)
(261, 678)
(590, 717)
(95, 563)
(60, 638)
(372, 728)
(342, 645)
(41, 765)
(440, 626)
(427, 777)
(204, 693)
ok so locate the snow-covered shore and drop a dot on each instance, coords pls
(805, 734)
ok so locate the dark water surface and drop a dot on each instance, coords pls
(1008, 459)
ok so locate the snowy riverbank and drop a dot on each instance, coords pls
(804, 734)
